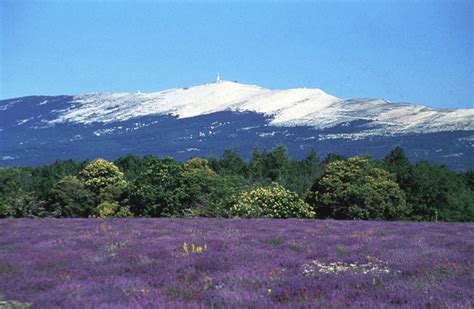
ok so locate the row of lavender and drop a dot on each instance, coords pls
(93, 263)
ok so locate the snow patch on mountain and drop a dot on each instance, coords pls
(291, 107)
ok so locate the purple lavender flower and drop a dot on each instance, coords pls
(136, 263)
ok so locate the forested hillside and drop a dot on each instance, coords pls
(269, 185)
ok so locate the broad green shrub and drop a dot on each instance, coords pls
(70, 198)
(113, 209)
(159, 191)
(272, 201)
(108, 184)
(4, 209)
(357, 189)
(198, 164)
(100, 173)
(107, 209)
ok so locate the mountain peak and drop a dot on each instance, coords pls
(284, 107)
(304, 117)
(287, 105)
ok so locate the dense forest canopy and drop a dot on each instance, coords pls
(269, 185)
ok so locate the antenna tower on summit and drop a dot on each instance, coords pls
(218, 78)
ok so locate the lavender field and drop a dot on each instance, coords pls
(95, 263)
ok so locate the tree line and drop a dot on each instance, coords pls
(269, 185)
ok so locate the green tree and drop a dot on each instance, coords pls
(277, 163)
(108, 184)
(132, 166)
(100, 173)
(396, 162)
(430, 189)
(331, 157)
(230, 163)
(210, 195)
(301, 175)
(198, 180)
(112, 209)
(267, 167)
(357, 189)
(70, 198)
(469, 178)
(5, 210)
(200, 164)
(16, 192)
(159, 191)
(272, 201)
(44, 177)
(256, 167)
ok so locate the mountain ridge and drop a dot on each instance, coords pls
(206, 119)
(287, 107)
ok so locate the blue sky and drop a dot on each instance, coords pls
(411, 51)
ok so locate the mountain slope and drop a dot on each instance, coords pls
(312, 107)
(205, 119)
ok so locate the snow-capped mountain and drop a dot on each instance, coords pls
(205, 119)
(291, 107)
